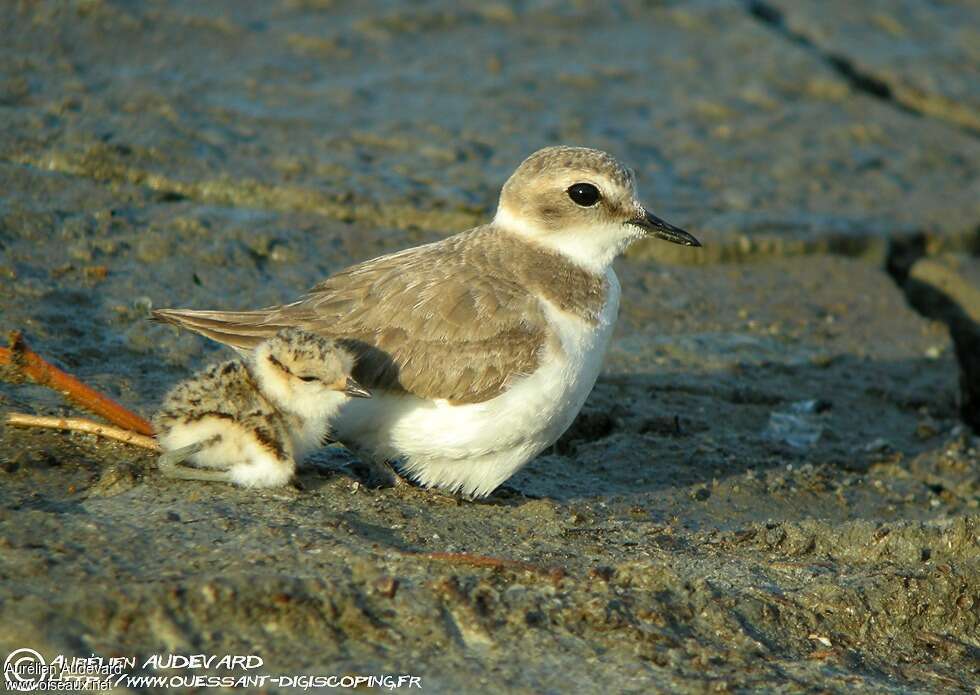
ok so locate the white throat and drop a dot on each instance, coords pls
(593, 248)
(289, 395)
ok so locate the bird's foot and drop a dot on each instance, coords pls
(174, 457)
(182, 472)
(173, 463)
(507, 492)
(377, 473)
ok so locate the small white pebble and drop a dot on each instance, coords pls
(821, 639)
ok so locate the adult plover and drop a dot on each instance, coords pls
(480, 349)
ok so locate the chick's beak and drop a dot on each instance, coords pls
(663, 230)
(355, 390)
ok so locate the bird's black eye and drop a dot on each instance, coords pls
(307, 378)
(584, 194)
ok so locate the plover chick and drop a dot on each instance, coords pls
(480, 348)
(249, 422)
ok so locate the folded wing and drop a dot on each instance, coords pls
(437, 321)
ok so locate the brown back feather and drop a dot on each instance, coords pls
(456, 319)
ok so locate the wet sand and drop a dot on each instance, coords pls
(774, 484)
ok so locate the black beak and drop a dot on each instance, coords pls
(355, 390)
(664, 230)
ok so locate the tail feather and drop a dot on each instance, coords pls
(242, 330)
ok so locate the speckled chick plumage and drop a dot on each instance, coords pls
(249, 423)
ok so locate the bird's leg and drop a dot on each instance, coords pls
(169, 459)
(450, 497)
(372, 469)
(506, 492)
(176, 470)
(171, 463)
(397, 479)
(375, 471)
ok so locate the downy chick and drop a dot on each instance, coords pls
(248, 423)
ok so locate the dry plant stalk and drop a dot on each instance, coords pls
(21, 362)
(472, 560)
(75, 424)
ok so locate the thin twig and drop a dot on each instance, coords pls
(471, 560)
(22, 362)
(76, 424)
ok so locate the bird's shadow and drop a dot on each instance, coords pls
(652, 431)
(646, 432)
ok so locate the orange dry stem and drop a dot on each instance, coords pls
(486, 561)
(29, 364)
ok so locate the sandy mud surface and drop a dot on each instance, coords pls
(774, 484)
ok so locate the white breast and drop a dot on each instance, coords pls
(473, 448)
